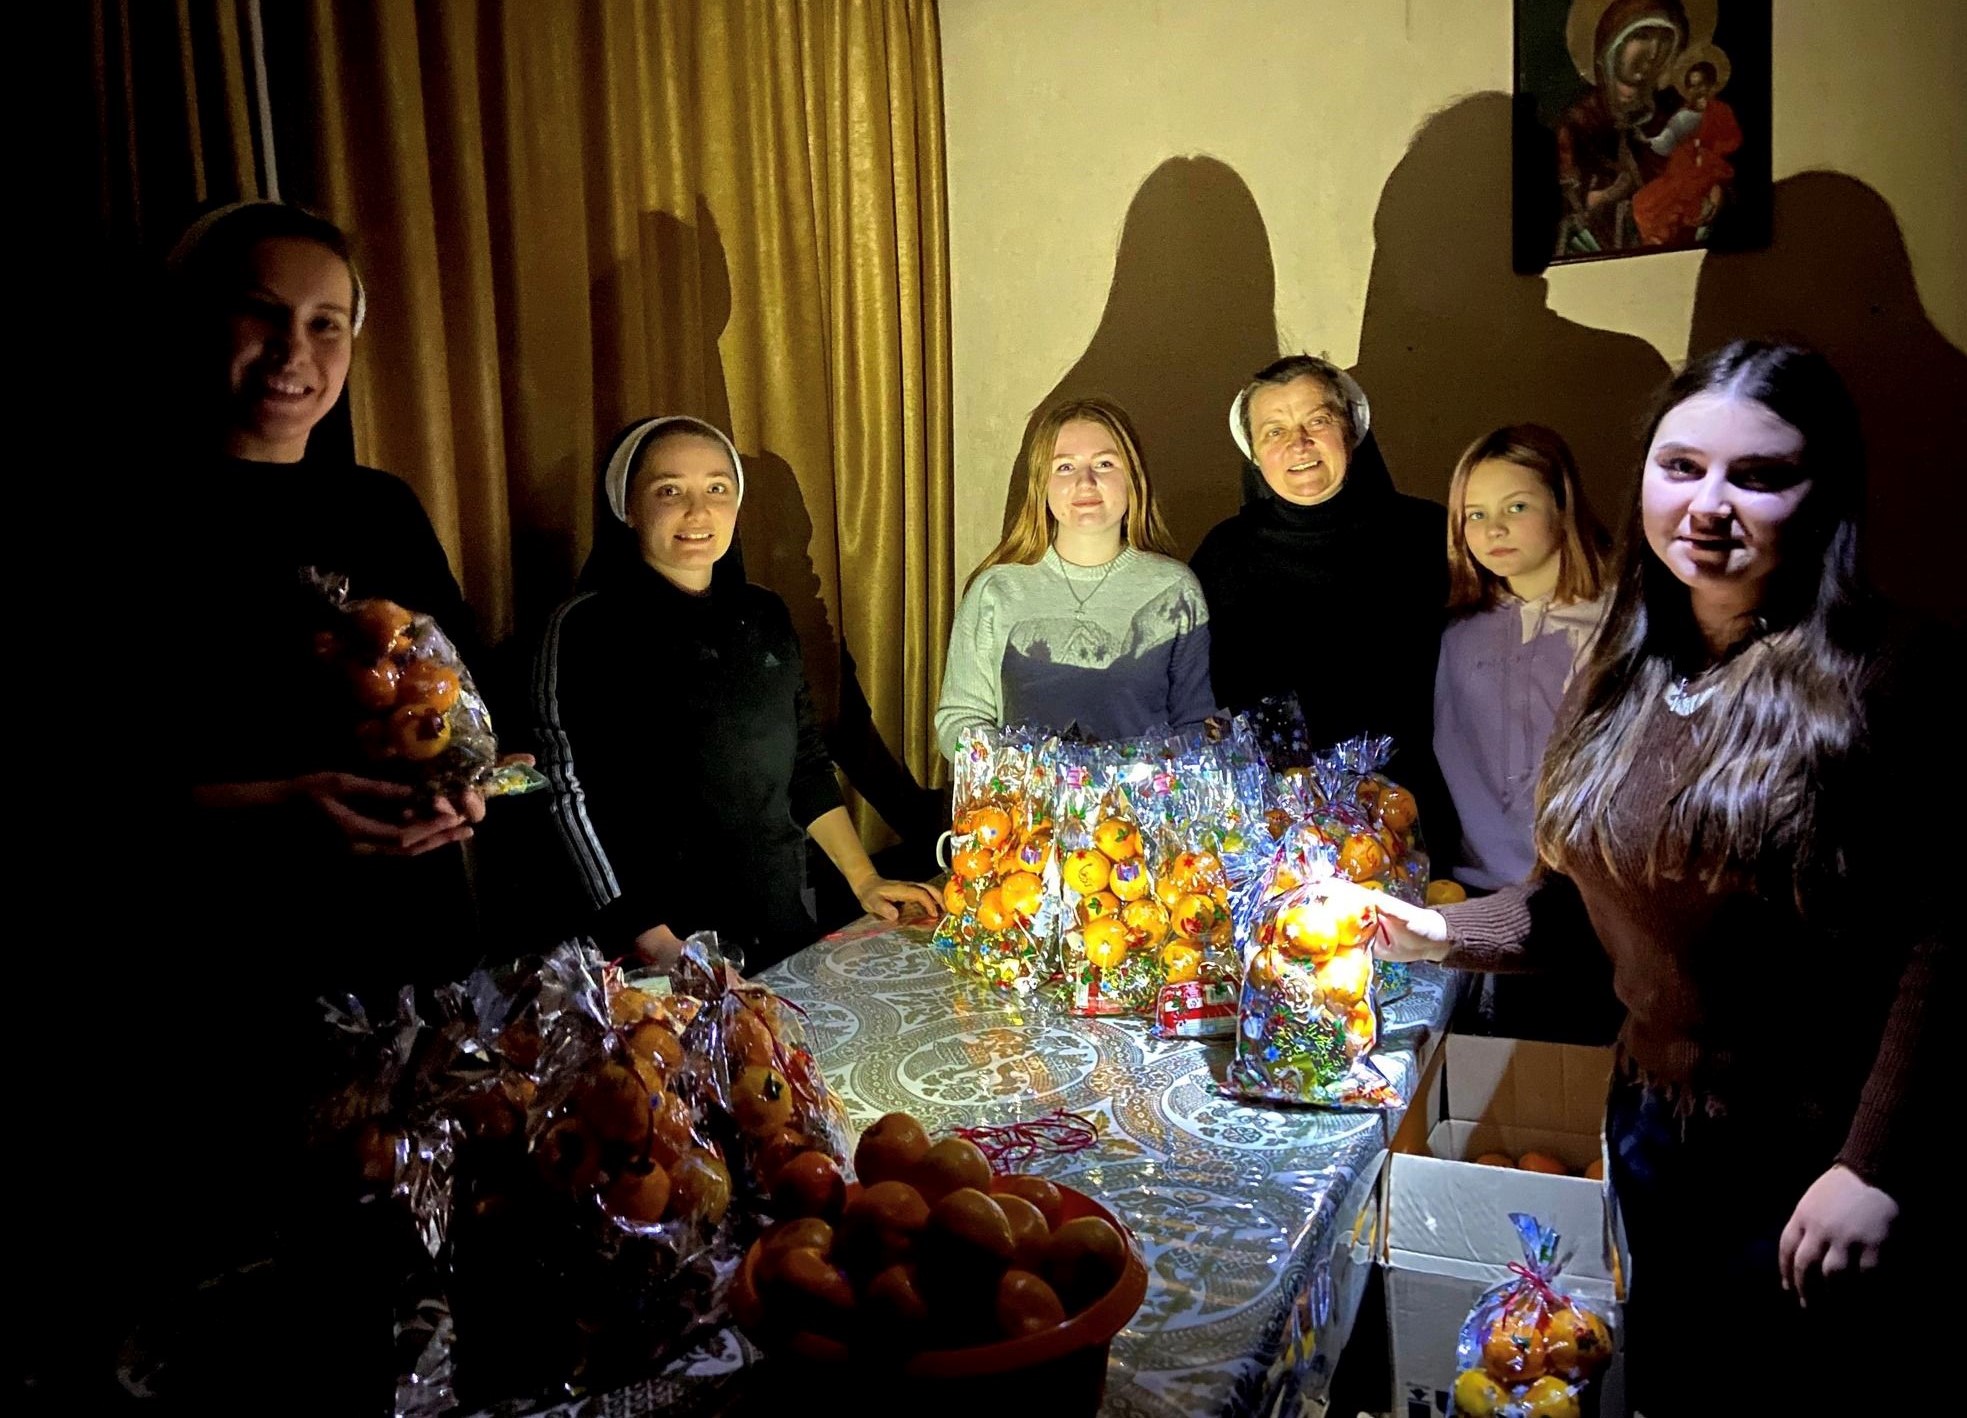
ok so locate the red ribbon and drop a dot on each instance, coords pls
(1012, 1145)
(1552, 1300)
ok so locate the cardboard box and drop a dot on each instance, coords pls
(1447, 1235)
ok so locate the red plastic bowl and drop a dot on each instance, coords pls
(1059, 1372)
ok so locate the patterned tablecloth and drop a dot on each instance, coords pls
(1245, 1213)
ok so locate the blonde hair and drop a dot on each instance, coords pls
(1582, 545)
(1034, 527)
(1748, 805)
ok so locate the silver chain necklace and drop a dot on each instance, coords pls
(1080, 601)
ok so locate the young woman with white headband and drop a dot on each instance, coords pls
(674, 722)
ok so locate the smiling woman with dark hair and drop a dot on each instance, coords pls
(1738, 784)
(675, 725)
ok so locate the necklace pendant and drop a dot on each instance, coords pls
(1683, 702)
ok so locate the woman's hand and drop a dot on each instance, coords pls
(1406, 933)
(354, 804)
(897, 900)
(1841, 1224)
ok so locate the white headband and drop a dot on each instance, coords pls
(615, 480)
(195, 234)
(1349, 390)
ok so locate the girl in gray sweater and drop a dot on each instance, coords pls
(1081, 616)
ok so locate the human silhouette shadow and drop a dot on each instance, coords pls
(1454, 343)
(1189, 317)
(1838, 278)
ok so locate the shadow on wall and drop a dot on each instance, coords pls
(1838, 278)
(1454, 343)
(1189, 317)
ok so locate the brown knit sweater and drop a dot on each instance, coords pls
(1734, 1000)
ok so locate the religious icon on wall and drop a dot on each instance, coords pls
(1641, 125)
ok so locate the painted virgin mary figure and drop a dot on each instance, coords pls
(1605, 140)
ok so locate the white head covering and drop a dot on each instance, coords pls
(622, 462)
(195, 234)
(1360, 411)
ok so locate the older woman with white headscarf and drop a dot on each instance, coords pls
(675, 725)
(1329, 583)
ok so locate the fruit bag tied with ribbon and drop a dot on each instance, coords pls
(1527, 1350)
(1191, 821)
(417, 716)
(554, 1143)
(1002, 893)
(1368, 807)
(786, 1132)
(1113, 927)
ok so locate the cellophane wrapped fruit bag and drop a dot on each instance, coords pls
(1001, 898)
(1113, 926)
(1192, 822)
(581, 1159)
(1527, 1350)
(416, 715)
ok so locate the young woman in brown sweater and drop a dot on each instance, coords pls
(1741, 798)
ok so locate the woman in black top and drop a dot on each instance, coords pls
(1326, 553)
(675, 725)
(341, 876)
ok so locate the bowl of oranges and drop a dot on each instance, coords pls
(948, 1287)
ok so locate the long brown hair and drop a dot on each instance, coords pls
(1582, 542)
(1785, 716)
(1034, 527)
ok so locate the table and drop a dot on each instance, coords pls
(1244, 1213)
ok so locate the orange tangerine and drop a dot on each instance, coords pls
(991, 826)
(1149, 919)
(1342, 980)
(1195, 916)
(991, 912)
(1308, 930)
(1168, 891)
(1398, 809)
(1445, 893)
(1100, 903)
(1129, 879)
(1362, 858)
(1086, 871)
(1034, 851)
(971, 863)
(1182, 963)
(953, 902)
(1106, 941)
(1118, 838)
(1023, 894)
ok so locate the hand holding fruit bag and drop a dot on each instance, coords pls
(1527, 1350)
(1307, 1021)
(418, 716)
(1002, 890)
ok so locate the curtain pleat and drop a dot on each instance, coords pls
(572, 215)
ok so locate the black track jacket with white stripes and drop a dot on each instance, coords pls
(685, 759)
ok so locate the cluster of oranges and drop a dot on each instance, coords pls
(628, 1133)
(1536, 1358)
(930, 1250)
(1125, 907)
(1327, 947)
(404, 692)
(1541, 1162)
(998, 872)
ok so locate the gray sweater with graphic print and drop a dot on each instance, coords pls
(1118, 649)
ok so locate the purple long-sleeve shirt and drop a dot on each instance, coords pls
(1502, 675)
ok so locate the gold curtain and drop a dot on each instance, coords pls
(174, 115)
(571, 215)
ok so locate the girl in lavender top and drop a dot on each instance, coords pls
(1525, 593)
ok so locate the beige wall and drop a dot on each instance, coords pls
(1059, 110)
